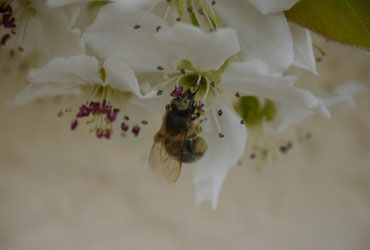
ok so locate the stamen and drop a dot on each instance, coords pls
(4, 39)
(137, 26)
(177, 92)
(136, 130)
(74, 124)
(207, 91)
(124, 127)
(220, 134)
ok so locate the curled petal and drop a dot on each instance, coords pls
(120, 76)
(253, 78)
(75, 70)
(303, 53)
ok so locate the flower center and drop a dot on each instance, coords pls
(101, 111)
(261, 145)
(197, 12)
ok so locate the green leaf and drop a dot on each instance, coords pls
(97, 4)
(344, 21)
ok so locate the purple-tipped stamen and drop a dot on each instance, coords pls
(112, 116)
(124, 127)
(4, 38)
(74, 124)
(177, 92)
(136, 130)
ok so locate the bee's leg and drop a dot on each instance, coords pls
(195, 116)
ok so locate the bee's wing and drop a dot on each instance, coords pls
(157, 153)
(159, 157)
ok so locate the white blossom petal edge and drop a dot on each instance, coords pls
(223, 153)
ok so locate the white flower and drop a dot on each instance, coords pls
(272, 6)
(342, 95)
(107, 94)
(264, 37)
(303, 52)
(189, 56)
(35, 30)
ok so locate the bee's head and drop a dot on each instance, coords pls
(184, 105)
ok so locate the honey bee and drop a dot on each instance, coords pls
(177, 141)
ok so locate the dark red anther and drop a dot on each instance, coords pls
(136, 130)
(94, 106)
(8, 21)
(86, 108)
(84, 111)
(104, 108)
(107, 134)
(74, 124)
(6, 8)
(124, 127)
(200, 106)
(113, 115)
(177, 92)
(4, 39)
(99, 133)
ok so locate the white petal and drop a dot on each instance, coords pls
(289, 115)
(262, 37)
(33, 92)
(113, 33)
(59, 3)
(343, 94)
(223, 153)
(50, 33)
(272, 6)
(253, 78)
(78, 70)
(303, 53)
(205, 50)
(120, 76)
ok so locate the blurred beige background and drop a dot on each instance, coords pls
(66, 190)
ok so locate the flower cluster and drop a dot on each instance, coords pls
(215, 70)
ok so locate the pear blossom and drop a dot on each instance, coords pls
(264, 119)
(107, 94)
(37, 32)
(186, 56)
(262, 36)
